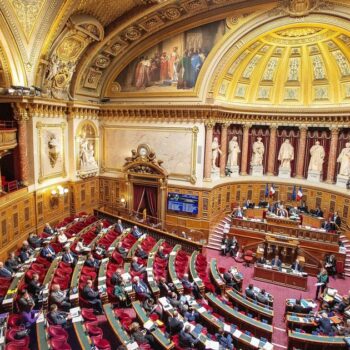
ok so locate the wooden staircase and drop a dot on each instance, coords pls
(215, 237)
(346, 241)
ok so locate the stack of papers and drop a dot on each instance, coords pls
(255, 342)
(213, 345)
(148, 325)
(132, 346)
(237, 333)
(74, 312)
(268, 346)
(77, 319)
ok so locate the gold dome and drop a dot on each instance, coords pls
(293, 65)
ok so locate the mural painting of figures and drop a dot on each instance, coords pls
(173, 64)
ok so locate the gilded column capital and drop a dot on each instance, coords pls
(209, 124)
(247, 126)
(273, 126)
(21, 112)
(225, 125)
(334, 129)
(303, 127)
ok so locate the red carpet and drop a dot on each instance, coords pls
(279, 293)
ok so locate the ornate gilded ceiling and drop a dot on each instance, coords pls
(301, 64)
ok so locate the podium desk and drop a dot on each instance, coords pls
(312, 221)
(257, 213)
(281, 278)
(282, 221)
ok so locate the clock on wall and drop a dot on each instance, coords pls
(143, 150)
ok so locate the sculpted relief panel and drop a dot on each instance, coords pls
(175, 146)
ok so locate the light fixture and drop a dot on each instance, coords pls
(56, 193)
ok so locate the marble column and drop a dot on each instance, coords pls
(208, 154)
(22, 121)
(332, 157)
(301, 152)
(223, 156)
(272, 150)
(244, 163)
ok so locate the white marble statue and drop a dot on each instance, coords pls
(258, 153)
(344, 160)
(317, 157)
(86, 154)
(286, 154)
(215, 149)
(233, 151)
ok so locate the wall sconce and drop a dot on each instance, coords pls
(122, 201)
(56, 194)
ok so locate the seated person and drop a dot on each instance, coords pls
(230, 280)
(282, 212)
(293, 212)
(299, 309)
(186, 339)
(4, 271)
(34, 240)
(136, 266)
(225, 245)
(174, 325)
(191, 286)
(303, 207)
(122, 250)
(117, 277)
(317, 212)
(98, 228)
(59, 297)
(35, 287)
(276, 262)
(29, 318)
(335, 221)
(164, 287)
(48, 252)
(80, 247)
(61, 237)
(119, 291)
(26, 252)
(296, 266)
(250, 292)
(69, 257)
(150, 307)
(331, 265)
(91, 261)
(161, 255)
(175, 302)
(13, 263)
(118, 227)
(262, 297)
(141, 253)
(325, 325)
(344, 328)
(92, 296)
(49, 230)
(141, 288)
(189, 314)
(224, 339)
(343, 305)
(238, 213)
(261, 260)
(326, 225)
(136, 232)
(263, 203)
(248, 204)
(58, 318)
(141, 337)
(25, 302)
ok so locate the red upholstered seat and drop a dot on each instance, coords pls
(101, 344)
(57, 332)
(59, 344)
(88, 315)
(14, 320)
(248, 257)
(93, 329)
(10, 336)
(16, 345)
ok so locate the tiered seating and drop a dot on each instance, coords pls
(177, 266)
(199, 270)
(216, 276)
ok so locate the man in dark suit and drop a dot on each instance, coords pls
(319, 212)
(262, 297)
(191, 286)
(26, 252)
(12, 263)
(60, 297)
(160, 253)
(92, 296)
(48, 252)
(296, 266)
(99, 228)
(35, 287)
(136, 232)
(121, 250)
(175, 325)
(4, 272)
(91, 261)
(224, 339)
(48, 229)
(186, 339)
(299, 309)
(276, 262)
(165, 288)
(118, 227)
(141, 288)
(229, 280)
(303, 207)
(117, 277)
(34, 240)
(141, 253)
(263, 203)
(325, 325)
(69, 257)
(335, 221)
(249, 292)
(327, 226)
(136, 266)
(58, 318)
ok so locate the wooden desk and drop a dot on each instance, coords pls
(193, 272)
(307, 341)
(84, 340)
(300, 321)
(74, 298)
(41, 335)
(280, 221)
(216, 277)
(172, 273)
(150, 269)
(258, 328)
(101, 281)
(257, 213)
(281, 278)
(312, 221)
(128, 285)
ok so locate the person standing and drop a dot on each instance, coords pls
(322, 281)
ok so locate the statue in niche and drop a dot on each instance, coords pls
(215, 151)
(53, 150)
(286, 154)
(86, 154)
(233, 151)
(317, 157)
(344, 160)
(258, 153)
